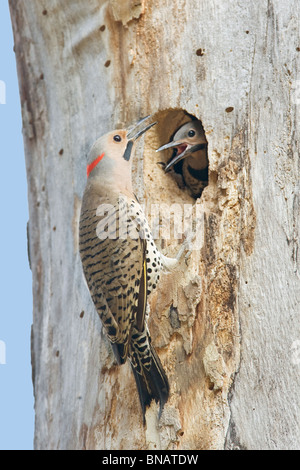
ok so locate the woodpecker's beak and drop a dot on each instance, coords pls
(135, 132)
(182, 148)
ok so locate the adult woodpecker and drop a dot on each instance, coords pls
(190, 156)
(120, 260)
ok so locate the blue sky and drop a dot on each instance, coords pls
(16, 393)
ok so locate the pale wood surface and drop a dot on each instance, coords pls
(225, 324)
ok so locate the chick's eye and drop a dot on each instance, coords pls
(191, 133)
(117, 138)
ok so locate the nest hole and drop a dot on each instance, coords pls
(191, 171)
(169, 196)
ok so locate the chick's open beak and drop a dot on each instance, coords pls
(182, 148)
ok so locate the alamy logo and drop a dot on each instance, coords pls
(2, 353)
(2, 92)
(176, 221)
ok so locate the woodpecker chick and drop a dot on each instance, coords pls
(190, 156)
(120, 260)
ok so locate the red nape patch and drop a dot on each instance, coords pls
(90, 167)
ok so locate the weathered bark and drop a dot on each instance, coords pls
(226, 321)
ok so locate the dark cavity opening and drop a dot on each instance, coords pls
(185, 156)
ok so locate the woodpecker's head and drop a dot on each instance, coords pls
(111, 153)
(188, 139)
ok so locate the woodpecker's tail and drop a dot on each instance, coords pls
(151, 380)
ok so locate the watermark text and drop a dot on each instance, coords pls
(155, 222)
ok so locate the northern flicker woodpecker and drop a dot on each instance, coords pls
(189, 156)
(120, 260)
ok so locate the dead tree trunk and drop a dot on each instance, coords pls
(226, 323)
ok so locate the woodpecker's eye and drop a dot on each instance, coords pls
(191, 133)
(117, 138)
